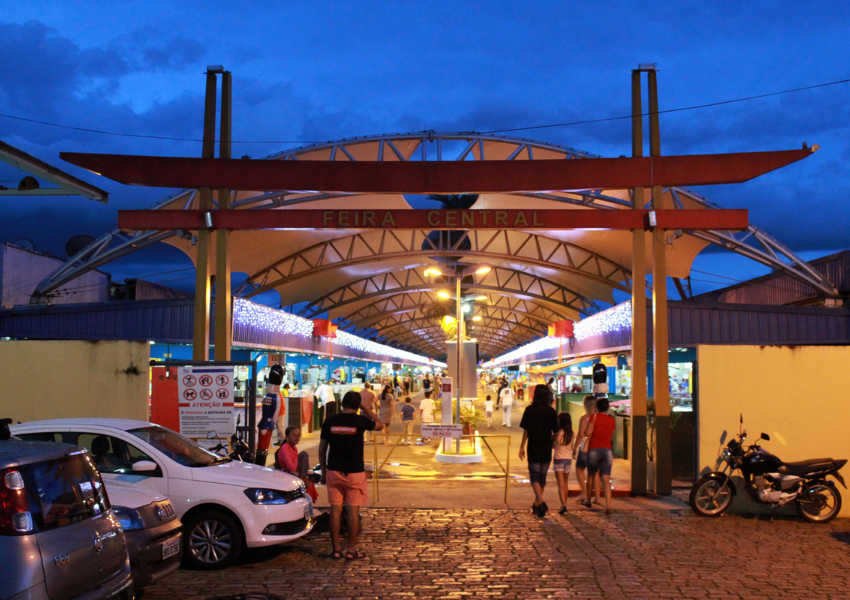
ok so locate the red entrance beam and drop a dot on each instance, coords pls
(437, 177)
(135, 220)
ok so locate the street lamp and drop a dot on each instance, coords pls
(460, 273)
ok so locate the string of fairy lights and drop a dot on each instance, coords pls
(616, 318)
(265, 318)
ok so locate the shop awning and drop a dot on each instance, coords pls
(609, 360)
(563, 365)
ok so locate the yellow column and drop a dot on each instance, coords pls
(223, 297)
(637, 434)
(201, 334)
(661, 385)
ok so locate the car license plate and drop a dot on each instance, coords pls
(308, 510)
(171, 547)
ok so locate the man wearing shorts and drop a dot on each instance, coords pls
(341, 459)
(539, 423)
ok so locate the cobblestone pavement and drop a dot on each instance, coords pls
(512, 554)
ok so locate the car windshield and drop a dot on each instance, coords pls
(178, 448)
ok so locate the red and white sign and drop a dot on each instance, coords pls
(206, 402)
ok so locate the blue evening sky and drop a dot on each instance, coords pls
(306, 72)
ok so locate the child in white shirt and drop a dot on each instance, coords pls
(488, 411)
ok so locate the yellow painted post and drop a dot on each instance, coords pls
(637, 422)
(508, 475)
(660, 376)
(201, 334)
(223, 298)
(374, 471)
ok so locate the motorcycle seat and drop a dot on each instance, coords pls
(804, 467)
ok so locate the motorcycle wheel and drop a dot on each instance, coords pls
(708, 499)
(819, 502)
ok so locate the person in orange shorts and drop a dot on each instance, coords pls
(343, 471)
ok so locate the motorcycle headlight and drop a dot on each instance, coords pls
(130, 519)
(726, 454)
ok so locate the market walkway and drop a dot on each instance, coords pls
(480, 485)
(641, 553)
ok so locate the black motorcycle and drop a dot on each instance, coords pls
(770, 481)
(239, 447)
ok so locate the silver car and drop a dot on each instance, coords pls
(58, 537)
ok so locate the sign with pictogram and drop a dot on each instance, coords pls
(442, 431)
(206, 402)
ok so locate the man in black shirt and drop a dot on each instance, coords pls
(539, 423)
(341, 459)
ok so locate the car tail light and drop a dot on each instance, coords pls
(15, 517)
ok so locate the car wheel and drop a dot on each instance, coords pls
(213, 540)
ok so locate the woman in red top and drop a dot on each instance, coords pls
(600, 456)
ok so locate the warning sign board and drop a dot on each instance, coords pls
(206, 402)
(442, 431)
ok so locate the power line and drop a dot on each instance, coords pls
(531, 127)
(672, 110)
(150, 137)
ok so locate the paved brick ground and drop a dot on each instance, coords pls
(512, 554)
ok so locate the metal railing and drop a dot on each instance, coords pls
(376, 469)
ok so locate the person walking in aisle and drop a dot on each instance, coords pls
(488, 411)
(563, 458)
(367, 405)
(387, 411)
(426, 413)
(408, 414)
(507, 401)
(580, 449)
(539, 423)
(600, 453)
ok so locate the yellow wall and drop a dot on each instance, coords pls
(56, 379)
(799, 396)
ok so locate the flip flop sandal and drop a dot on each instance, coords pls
(354, 555)
(336, 554)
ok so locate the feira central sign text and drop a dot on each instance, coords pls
(443, 219)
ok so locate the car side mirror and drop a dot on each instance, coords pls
(144, 466)
(765, 437)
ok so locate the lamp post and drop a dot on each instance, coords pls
(460, 273)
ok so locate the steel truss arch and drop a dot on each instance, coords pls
(382, 245)
(488, 323)
(427, 335)
(753, 243)
(543, 318)
(500, 307)
(498, 279)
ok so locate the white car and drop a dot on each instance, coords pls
(224, 505)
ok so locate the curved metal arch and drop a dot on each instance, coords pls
(409, 303)
(425, 334)
(485, 310)
(489, 323)
(498, 279)
(380, 245)
(494, 330)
